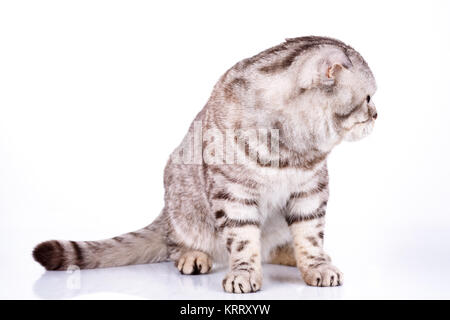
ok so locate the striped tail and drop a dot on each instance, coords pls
(143, 246)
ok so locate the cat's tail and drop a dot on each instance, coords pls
(146, 245)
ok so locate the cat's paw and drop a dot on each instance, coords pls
(241, 281)
(324, 275)
(194, 262)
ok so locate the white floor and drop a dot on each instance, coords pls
(396, 273)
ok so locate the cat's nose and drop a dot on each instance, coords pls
(373, 112)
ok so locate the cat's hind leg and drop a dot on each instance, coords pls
(194, 262)
(283, 255)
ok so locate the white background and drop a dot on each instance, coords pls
(94, 95)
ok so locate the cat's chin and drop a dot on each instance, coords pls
(359, 131)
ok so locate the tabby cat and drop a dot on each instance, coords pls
(305, 95)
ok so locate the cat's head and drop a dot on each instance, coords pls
(339, 86)
(324, 95)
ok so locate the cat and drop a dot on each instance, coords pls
(308, 94)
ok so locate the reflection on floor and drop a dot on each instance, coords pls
(162, 281)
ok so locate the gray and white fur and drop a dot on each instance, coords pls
(316, 92)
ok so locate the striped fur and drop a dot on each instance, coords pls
(143, 246)
(314, 92)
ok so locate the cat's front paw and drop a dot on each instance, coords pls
(240, 281)
(324, 275)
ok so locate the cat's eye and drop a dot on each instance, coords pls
(368, 99)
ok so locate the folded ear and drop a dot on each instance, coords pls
(323, 67)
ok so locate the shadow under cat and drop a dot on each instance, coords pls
(163, 281)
